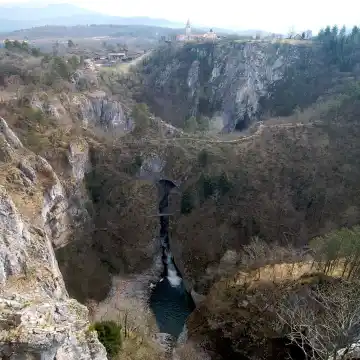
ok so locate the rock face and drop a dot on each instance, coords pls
(47, 330)
(37, 317)
(100, 109)
(230, 81)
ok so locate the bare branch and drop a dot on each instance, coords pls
(322, 319)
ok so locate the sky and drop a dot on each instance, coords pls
(269, 15)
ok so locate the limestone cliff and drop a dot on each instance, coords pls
(37, 317)
(231, 81)
(100, 109)
(92, 108)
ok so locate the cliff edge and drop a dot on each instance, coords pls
(37, 317)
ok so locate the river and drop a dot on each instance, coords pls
(170, 301)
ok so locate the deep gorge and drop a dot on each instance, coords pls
(170, 301)
(88, 203)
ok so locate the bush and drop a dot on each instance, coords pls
(194, 124)
(61, 68)
(96, 182)
(141, 116)
(35, 115)
(74, 62)
(207, 186)
(203, 158)
(339, 249)
(133, 168)
(213, 185)
(203, 123)
(109, 334)
(224, 184)
(187, 202)
(35, 52)
(138, 161)
(190, 125)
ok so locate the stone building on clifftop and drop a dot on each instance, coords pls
(188, 36)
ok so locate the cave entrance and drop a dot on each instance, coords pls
(243, 123)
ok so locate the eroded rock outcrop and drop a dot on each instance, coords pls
(230, 81)
(100, 109)
(37, 317)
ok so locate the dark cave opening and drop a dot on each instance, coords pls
(243, 124)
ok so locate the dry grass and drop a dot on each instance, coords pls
(190, 351)
(27, 199)
(277, 273)
(141, 349)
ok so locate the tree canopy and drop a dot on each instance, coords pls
(341, 46)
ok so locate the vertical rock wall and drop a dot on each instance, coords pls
(37, 317)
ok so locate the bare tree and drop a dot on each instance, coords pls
(260, 253)
(323, 319)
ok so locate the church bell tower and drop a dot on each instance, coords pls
(188, 28)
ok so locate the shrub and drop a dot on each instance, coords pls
(35, 52)
(339, 249)
(8, 69)
(213, 185)
(141, 117)
(74, 62)
(138, 161)
(133, 167)
(187, 202)
(207, 186)
(203, 123)
(190, 125)
(203, 158)
(35, 115)
(224, 184)
(96, 183)
(109, 334)
(61, 67)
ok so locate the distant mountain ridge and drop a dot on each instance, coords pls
(25, 16)
(16, 17)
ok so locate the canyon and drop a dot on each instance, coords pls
(79, 200)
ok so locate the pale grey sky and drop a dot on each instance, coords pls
(271, 15)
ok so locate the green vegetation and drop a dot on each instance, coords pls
(299, 308)
(109, 334)
(34, 115)
(203, 123)
(339, 249)
(187, 202)
(210, 185)
(224, 184)
(62, 68)
(207, 186)
(193, 124)
(343, 49)
(190, 125)
(141, 116)
(288, 185)
(95, 184)
(70, 44)
(21, 47)
(203, 158)
(134, 166)
(41, 72)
